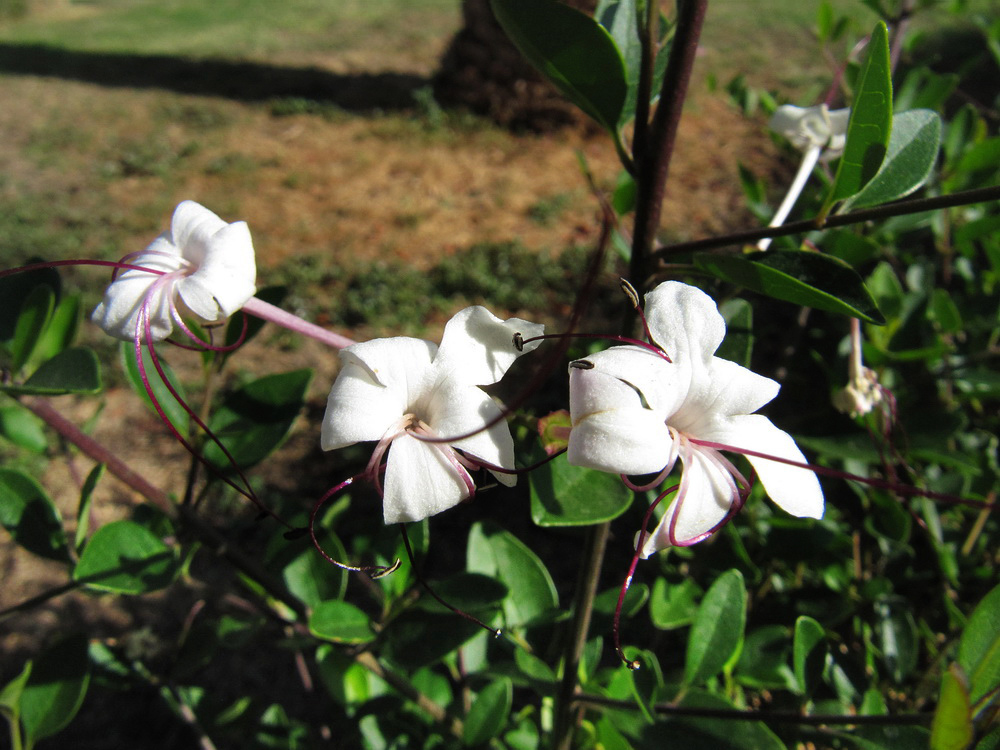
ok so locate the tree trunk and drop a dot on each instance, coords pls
(483, 72)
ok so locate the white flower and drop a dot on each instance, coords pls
(633, 412)
(813, 127)
(208, 272)
(392, 389)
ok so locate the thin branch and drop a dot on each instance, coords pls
(772, 717)
(653, 165)
(902, 208)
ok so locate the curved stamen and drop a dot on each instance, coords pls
(640, 542)
(374, 571)
(651, 347)
(432, 592)
(664, 472)
(826, 471)
(478, 463)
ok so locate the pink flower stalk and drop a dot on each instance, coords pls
(634, 412)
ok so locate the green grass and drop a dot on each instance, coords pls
(233, 28)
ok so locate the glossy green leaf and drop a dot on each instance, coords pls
(897, 637)
(55, 689)
(501, 555)
(10, 697)
(126, 558)
(340, 622)
(83, 508)
(35, 314)
(572, 50)
(61, 330)
(534, 668)
(308, 575)
(174, 412)
(254, 420)
(23, 429)
(803, 278)
(469, 592)
(979, 648)
(693, 732)
(15, 290)
(489, 712)
(418, 638)
(943, 311)
(871, 121)
(71, 371)
(911, 156)
(952, 727)
(566, 495)
(717, 630)
(673, 605)
(738, 344)
(808, 654)
(32, 519)
(764, 659)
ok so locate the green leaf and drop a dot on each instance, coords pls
(61, 330)
(419, 638)
(501, 555)
(34, 317)
(912, 153)
(31, 517)
(489, 713)
(690, 732)
(738, 344)
(470, 592)
(23, 429)
(808, 654)
(15, 290)
(870, 123)
(573, 51)
(83, 509)
(979, 648)
(897, 636)
(308, 575)
(952, 727)
(10, 697)
(254, 420)
(340, 622)
(804, 278)
(172, 409)
(717, 630)
(55, 689)
(71, 371)
(673, 605)
(566, 495)
(763, 662)
(125, 558)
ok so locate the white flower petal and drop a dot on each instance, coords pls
(478, 348)
(621, 441)
(624, 376)
(419, 482)
(685, 322)
(728, 390)
(225, 278)
(793, 489)
(807, 127)
(118, 311)
(191, 229)
(457, 409)
(374, 389)
(707, 498)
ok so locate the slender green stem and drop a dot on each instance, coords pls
(583, 605)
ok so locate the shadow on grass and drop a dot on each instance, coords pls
(243, 81)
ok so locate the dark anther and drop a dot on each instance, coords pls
(296, 533)
(519, 341)
(582, 364)
(633, 665)
(630, 292)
